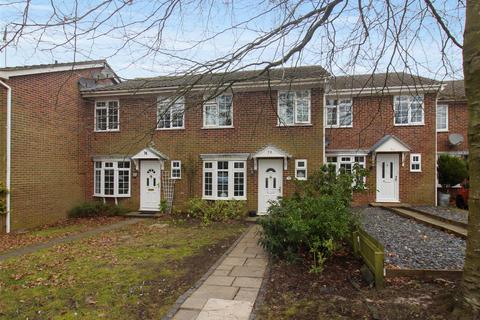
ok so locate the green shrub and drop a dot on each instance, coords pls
(3, 203)
(312, 222)
(95, 209)
(219, 210)
(451, 170)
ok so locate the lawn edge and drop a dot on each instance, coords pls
(176, 306)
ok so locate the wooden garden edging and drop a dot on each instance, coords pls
(423, 274)
(372, 253)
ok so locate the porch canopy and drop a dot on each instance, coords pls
(390, 144)
(149, 153)
(270, 151)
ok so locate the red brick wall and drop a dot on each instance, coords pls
(373, 118)
(255, 125)
(3, 149)
(47, 147)
(457, 123)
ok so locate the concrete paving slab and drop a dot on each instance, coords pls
(219, 280)
(244, 271)
(224, 267)
(256, 262)
(194, 303)
(234, 261)
(220, 272)
(184, 314)
(219, 309)
(247, 294)
(217, 292)
(247, 282)
(254, 250)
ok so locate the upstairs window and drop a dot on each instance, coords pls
(170, 114)
(415, 162)
(218, 113)
(442, 117)
(339, 113)
(294, 107)
(408, 110)
(301, 169)
(176, 166)
(112, 178)
(106, 116)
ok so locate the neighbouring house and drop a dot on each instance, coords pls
(452, 119)
(45, 159)
(78, 134)
(386, 124)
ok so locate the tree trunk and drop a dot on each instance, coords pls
(471, 68)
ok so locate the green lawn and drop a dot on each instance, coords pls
(134, 273)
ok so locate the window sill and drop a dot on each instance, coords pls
(106, 131)
(176, 178)
(442, 130)
(295, 125)
(225, 199)
(216, 128)
(169, 129)
(409, 124)
(338, 127)
(416, 171)
(111, 196)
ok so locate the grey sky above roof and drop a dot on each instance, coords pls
(453, 90)
(63, 64)
(277, 74)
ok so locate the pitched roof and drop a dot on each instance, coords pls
(284, 75)
(50, 65)
(380, 80)
(453, 90)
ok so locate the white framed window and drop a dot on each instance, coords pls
(218, 113)
(176, 169)
(339, 113)
(301, 169)
(408, 110)
(415, 162)
(112, 178)
(442, 117)
(107, 116)
(294, 108)
(347, 163)
(170, 114)
(224, 180)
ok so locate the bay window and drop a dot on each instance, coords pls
(224, 179)
(112, 178)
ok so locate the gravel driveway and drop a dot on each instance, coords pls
(446, 212)
(409, 244)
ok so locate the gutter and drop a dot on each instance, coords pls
(9, 151)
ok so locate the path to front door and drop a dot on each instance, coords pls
(387, 177)
(150, 185)
(270, 182)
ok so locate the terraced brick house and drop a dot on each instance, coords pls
(245, 135)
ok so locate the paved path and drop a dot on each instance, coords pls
(78, 236)
(231, 289)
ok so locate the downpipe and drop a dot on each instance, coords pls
(9, 151)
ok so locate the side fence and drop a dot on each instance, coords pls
(372, 253)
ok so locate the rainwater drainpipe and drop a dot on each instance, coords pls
(9, 140)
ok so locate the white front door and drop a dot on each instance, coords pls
(387, 177)
(150, 185)
(270, 182)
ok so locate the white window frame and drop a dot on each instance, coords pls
(446, 118)
(281, 122)
(410, 100)
(215, 102)
(303, 168)
(162, 104)
(341, 102)
(231, 176)
(412, 162)
(106, 107)
(352, 161)
(176, 165)
(116, 169)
